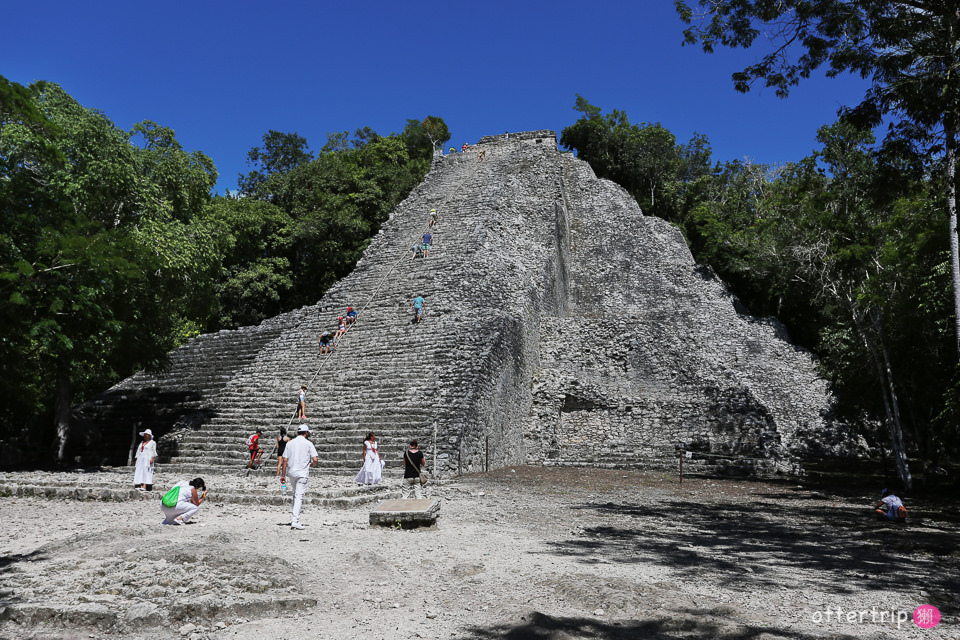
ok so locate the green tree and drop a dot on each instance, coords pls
(280, 154)
(908, 49)
(852, 264)
(423, 137)
(335, 202)
(95, 269)
(255, 278)
(644, 159)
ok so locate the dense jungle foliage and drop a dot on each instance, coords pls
(881, 283)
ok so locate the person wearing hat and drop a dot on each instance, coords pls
(351, 315)
(298, 456)
(146, 454)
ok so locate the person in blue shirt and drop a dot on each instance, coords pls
(417, 305)
(427, 241)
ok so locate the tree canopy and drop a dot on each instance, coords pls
(907, 50)
(98, 250)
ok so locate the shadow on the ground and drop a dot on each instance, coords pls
(748, 546)
(7, 563)
(694, 624)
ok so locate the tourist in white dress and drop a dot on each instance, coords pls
(372, 470)
(146, 454)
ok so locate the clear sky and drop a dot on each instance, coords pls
(221, 74)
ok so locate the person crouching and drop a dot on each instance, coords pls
(188, 502)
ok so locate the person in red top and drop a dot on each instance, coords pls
(254, 443)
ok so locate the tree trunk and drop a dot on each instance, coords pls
(132, 453)
(881, 361)
(62, 414)
(896, 427)
(950, 159)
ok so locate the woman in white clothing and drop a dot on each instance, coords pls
(372, 470)
(146, 454)
(188, 502)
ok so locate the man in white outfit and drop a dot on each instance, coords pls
(297, 458)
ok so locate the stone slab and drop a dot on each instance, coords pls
(406, 513)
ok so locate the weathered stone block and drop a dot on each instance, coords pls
(406, 514)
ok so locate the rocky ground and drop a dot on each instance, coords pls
(519, 553)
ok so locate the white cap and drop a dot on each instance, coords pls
(303, 429)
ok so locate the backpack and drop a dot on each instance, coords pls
(250, 442)
(170, 498)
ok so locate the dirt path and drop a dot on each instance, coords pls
(520, 553)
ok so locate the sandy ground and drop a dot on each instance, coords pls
(519, 553)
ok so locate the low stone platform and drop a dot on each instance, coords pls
(407, 514)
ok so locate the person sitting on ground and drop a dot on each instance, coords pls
(351, 315)
(253, 442)
(890, 507)
(427, 239)
(324, 342)
(188, 502)
(341, 329)
(417, 305)
(463, 149)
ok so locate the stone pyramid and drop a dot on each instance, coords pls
(561, 327)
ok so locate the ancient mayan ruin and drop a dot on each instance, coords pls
(561, 327)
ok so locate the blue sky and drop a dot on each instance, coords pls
(223, 73)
